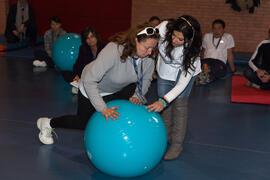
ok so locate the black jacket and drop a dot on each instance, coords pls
(11, 19)
(85, 57)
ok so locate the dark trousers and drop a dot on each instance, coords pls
(42, 55)
(252, 77)
(68, 75)
(85, 110)
(30, 35)
(218, 68)
(11, 38)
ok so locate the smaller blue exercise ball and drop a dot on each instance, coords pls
(66, 50)
(129, 146)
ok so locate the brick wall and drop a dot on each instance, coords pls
(3, 15)
(248, 29)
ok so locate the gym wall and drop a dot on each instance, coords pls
(248, 29)
(108, 17)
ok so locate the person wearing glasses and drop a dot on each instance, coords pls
(258, 70)
(126, 60)
(21, 23)
(178, 65)
(217, 49)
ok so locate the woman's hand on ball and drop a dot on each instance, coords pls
(110, 112)
(156, 106)
(135, 100)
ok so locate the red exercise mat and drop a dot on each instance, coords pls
(243, 94)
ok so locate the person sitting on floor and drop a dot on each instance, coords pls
(258, 70)
(90, 48)
(43, 58)
(21, 23)
(217, 48)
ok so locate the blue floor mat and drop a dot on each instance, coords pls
(6, 47)
(224, 140)
(20, 50)
(24, 53)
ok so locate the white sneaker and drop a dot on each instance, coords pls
(45, 135)
(39, 63)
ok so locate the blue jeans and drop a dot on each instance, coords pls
(164, 86)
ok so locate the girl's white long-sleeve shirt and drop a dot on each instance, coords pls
(168, 68)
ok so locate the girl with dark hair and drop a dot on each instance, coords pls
(90, 48)
(178, 65)
(126, 60)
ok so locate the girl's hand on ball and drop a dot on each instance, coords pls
(156, 106)
(110, 112)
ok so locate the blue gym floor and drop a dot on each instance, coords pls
(225, 141)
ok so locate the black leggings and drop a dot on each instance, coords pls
(85, 110)
(31, 35)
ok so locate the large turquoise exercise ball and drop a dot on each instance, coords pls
(65, 51)
(129, 146)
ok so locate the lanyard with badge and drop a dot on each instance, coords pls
(216, 46)
(139, 79)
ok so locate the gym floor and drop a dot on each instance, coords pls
(225, 141)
